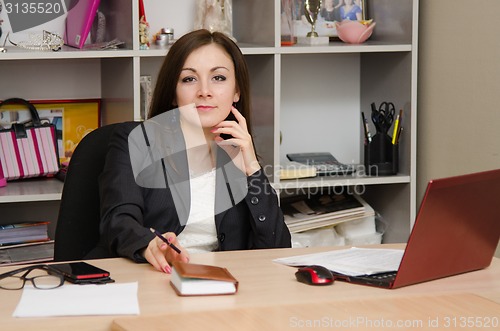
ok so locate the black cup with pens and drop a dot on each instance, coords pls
(382, 150)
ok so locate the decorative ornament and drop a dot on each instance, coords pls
(143, 33)
(47, 41)
(215, 15)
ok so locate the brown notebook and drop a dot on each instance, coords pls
(197, 279)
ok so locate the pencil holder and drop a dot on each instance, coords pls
(381, 156)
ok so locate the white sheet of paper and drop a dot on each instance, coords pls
(352, 262)
(72, 300)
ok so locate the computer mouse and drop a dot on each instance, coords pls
(314, 275)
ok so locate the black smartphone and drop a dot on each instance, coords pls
(229, 117)
(80, 271)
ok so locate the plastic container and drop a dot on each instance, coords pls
(381, 156)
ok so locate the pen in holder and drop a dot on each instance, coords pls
(381, 156)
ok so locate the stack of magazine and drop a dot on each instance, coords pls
(307, 212)
(25, 243)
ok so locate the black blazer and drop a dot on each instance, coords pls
(128, 210)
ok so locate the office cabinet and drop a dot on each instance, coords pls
(305, 98)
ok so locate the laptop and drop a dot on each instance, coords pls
(457, 230)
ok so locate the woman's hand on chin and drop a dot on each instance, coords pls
(240, 146)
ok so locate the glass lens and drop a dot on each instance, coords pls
(11, 283)
(38, 276)
(46, 281)
(35, 273)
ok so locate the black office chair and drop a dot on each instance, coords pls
(77, 229)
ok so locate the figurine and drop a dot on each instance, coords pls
(143, 33)
(215, 15)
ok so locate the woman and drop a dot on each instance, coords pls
(201, 102)
(351, 11)
(330, 12)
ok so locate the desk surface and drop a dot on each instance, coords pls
(264, 286)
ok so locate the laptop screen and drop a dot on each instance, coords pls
(457, 228)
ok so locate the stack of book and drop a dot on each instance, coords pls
(308, 212)
(25, 243)
(296, 170)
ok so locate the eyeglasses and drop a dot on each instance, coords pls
(42, 276)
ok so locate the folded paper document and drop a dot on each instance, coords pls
(73, 300)
(350, 262)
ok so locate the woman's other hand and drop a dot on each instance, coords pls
(160, 255)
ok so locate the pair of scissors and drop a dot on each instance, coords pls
(383, 116)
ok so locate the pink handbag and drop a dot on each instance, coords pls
(28, 150)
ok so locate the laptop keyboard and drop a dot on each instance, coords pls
(387, 275)
(383, 279)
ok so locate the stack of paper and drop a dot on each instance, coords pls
(25, 243)
(78, 300)
(23, 232)
(295, 170)
(27, 253)
(304, 213)
(351, 262)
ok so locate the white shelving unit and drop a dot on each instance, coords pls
(311, 95)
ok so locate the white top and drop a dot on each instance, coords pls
(200, 235)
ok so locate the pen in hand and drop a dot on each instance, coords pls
(159, 235)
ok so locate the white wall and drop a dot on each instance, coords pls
(459, 89)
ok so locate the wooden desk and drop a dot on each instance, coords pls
(264, 286)
(438, 312)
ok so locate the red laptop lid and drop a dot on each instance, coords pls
(457, 228)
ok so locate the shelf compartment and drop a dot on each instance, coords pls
(14, 53)
(44, 189)
(334, 181)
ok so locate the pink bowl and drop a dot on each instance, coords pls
(354, 32)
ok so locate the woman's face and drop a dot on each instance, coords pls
(208, 81)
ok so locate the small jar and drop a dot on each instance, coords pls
(165, 37)
(162, 40)
(170, 33)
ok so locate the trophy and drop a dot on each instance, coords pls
(311, 9)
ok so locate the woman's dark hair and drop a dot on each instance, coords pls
(165, 90)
